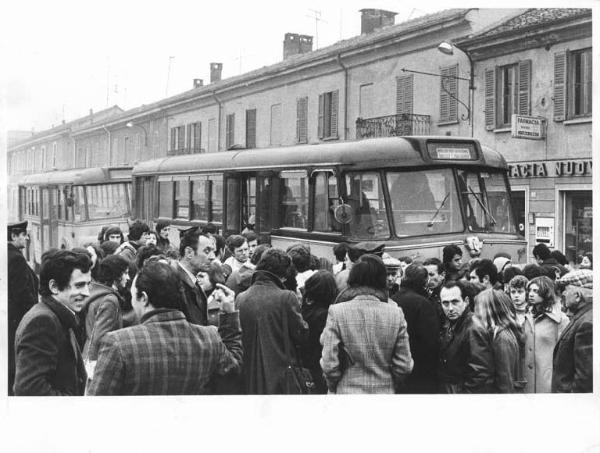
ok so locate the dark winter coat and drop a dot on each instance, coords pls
(22, 295)
(315, 316)
(466, 358)
(48, 359)
(573, 355)
(423, 326)
(262, 309)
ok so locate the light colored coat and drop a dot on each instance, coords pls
(541, 335)
(375, 338)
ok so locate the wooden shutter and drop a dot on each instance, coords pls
(181, 137)
(197, 136)
(334, 113)
(173, 138)
(302, 120)
(448, 104)
(404, 94)
(490, 98)
(251, 128)
(189, 137)
(560, 86)
(321, 109)
(230, 124)
(525, 87)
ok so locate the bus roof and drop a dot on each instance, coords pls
(360, 154)
(80, 176)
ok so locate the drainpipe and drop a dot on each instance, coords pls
(109, 146)
(345, 69)
(214, 93)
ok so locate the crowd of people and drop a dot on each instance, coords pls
(134, 315)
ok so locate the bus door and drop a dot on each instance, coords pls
(248, 202)
(144, 198)
(49, 218)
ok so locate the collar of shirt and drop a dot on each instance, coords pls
(192, 276)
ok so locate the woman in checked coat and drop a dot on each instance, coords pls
(365, 341)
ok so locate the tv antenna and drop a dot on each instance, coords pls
(168, 76)
(316, 15)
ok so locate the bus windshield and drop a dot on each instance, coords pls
(424, 202)
(486, 202)
(108, 200)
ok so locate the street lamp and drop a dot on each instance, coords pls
(448, 49)
(130, 125)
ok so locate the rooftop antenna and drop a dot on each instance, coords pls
(316, 15)
(241, 57)
(168, 76)
(107, 79)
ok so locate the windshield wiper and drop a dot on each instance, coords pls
(430, 223)
(485, 209)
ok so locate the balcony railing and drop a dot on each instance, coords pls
(392, 126)
(178, 152)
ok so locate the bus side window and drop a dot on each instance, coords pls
(325, 202)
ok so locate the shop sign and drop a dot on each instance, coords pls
(530, 127)
(550, 168)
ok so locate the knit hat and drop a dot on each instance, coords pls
(581, 277)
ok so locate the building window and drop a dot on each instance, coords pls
(572, 84)
(404, 94)
(366, 107)
(251, 128)
(275, 138)
(211, 138)
(578, 224)
(178, 138)
(449, 94)
(194, 131)
(507, 92)
(328, 115)
(230, 131)
(302, 120)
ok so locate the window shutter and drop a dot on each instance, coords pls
(301, 120)
(404, 94)
(251, 128)
(490, 99)
(189, 137)
(525, 87)
(181, 138)
(334, 113)
(321, 109)
(560, 85)
(448, 105)
(173, 138)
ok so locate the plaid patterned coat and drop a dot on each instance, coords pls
(375, 342)
(166, 355)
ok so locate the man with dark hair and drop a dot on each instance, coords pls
(135, 239)
(48, 357)
(484, 272)
(532, 270)
(241, 279)
(238, 246)
(423, 324)
(252, 239)
(435, 269)
(22, 289)
(195, 251)
(541, 253)
(355, 251)
(179, 357)
(340, 251)
(302, 261)
(466, 361)
(270, 318)
(452, 261)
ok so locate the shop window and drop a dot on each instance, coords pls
(578, 224)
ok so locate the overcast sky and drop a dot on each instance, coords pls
(63, 57)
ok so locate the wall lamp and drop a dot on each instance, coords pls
(130, 125)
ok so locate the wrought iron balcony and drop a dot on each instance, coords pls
(392, 125)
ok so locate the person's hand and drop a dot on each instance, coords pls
(226, 297)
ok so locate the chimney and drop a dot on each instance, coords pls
(198, 83)
(63, 121)
(294, 44)
(372, 19)
(215, 72)
(91, 112)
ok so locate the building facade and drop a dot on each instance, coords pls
(533, 103)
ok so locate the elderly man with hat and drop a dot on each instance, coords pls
(22, 289)
(572, 360)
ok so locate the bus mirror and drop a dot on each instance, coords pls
(343, 213)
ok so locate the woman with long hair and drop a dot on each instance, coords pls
(365, 341)
(542, 327)
(320, 292)
(496, 312)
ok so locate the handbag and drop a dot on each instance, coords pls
(295, 380)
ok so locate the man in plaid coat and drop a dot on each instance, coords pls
(166, 354)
